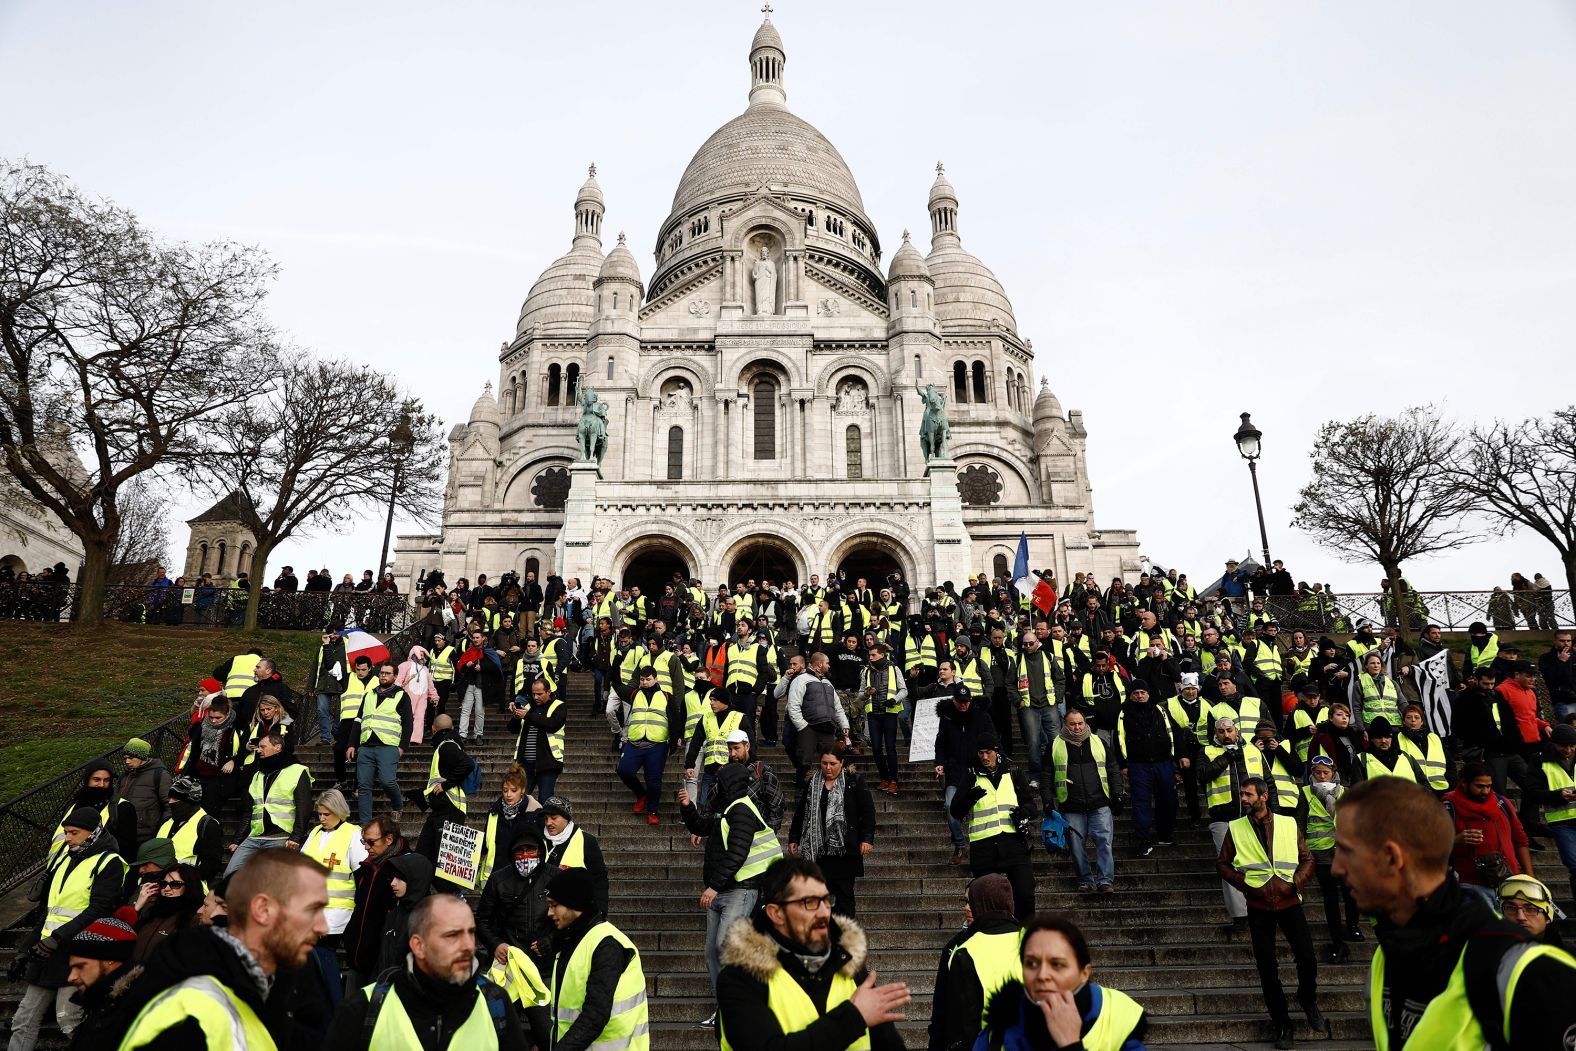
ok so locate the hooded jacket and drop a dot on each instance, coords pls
(416, 871)
(752, 952)
(725, 858)
(50, 971)
(513, 908)
(1006, 848)
(147, 789)
(122, 815)
(955, 737)
(374, 898)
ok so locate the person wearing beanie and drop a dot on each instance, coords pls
(1144, 744)
(1384, 757)
(81, 884)
(98, 794)
(1190, 735)
(1554, 787)
(962, 719)
(99, 957)
(997, 806)
(195, 836)
(598, 986)
(984, 960)
(571, 847)
(145, 785)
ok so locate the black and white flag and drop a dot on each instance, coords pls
(1431, 677)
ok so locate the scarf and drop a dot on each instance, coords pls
(261, 981)
(212, 736)
(93, 837)
(816, 842)
(1072, 737)
(510, 811)
(562, 837)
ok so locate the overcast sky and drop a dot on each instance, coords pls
(1305, 211)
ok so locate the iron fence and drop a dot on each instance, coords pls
(212, 608)
(1544, 610)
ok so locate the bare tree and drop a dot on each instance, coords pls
(327, 444)
(1524, 476)
(144, 536)
(1381, 492)
(113, 347)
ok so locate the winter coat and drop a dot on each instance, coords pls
(436, 1010)
(104, 897)
(147, 789)
(417, 873)
(513, 908)
(330, 658)
(859, 813)
(724, 859)
(374, 898)
(1277, 893)
(1013, 1023)
(955, 739)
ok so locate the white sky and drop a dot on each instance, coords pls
(1304, 211)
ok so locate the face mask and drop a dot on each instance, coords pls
(526, 865)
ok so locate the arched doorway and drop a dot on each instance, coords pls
(762, 559)
(871, 560)
(652, 565)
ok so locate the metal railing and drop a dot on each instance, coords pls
(1452, 610)
(212, 607)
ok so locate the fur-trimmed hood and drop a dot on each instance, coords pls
(1005, 1007)
(754, 951)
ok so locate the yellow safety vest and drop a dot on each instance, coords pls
(1377, 700)
(574, 856)
(518, 977)
(380, 717)
(1476, 658)
(1373, 768)
(332, 851)
(1257, 866)
(1320, 832)
(242, 677)
(1198, 726)
(823, 628)
(1059, 760)
(1219, 792)
(1267, 660)
(1281, 782)
(252, 737)
(1300, 720)
(996, 962)
(455, 795)
(1247, 715)
(764, 848)
(555, 738)
(922, 655)
(355, 691)
(71, 887)
(1558, 779)
(1431, 759)
(627, 1024)
(441, 664)
(992, 815)
(1049, 681)
(794, 1010)
(1116, 684)
(743, 664)
(715, 751)
(395, 1032)
(225, 1019)
(694, 707)
(276, 798)
(968, 673)
(1119, 1016)
(648, 717)
(890, 705)
(184, 839)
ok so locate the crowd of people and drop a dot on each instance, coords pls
(1372, 765)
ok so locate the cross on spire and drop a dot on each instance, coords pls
(939, 168)
(767, 11)
(592, 172)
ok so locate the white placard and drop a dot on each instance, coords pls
(456, 853)
(927, 723)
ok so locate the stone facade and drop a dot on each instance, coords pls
(220, 544)
(763, 393)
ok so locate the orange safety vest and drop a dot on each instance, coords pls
(717, 664)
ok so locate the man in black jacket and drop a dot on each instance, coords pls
(513, 907)
(441, 794)
(530, 601)
(374, 897)
(974, 968)
(795, 925)
(961, 723)
(998, 805)
(1144, 743)
(574, 913)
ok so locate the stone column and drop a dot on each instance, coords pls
(950, 540)
(723, 425)
(574, 553)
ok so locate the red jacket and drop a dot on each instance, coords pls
(1524, 702)
(1501, 828)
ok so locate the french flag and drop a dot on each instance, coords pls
(1038, 591)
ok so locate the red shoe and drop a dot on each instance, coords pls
(640, 806)
(652, 819)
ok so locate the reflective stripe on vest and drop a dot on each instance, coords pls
(442, 664)
(968, 671)
(1558, 779)
(996, 962)
(1320, 831)
(1380, 700)
(242, 677)
(764, 848)
(890, 705)
(455, 795)
(992, 815)
(1059, 759)
(1198, 725)
(694, 707)
(395, 1032)
(715, 751)
(355, 692)
(1257, 866)
(795, 1011)
(648, 717)
(276, 798)
(1281, 782)
(1431, 759)
(1220, 789)
(555, 738)
(225, 1019)
(332, 851)
(520, 980)
(743, 667)
(184, 840)
(380, 716)
(627, 1022)
(1247, 715)
(922, 655)
(71, 887)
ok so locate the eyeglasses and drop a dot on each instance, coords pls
(372, 841)
(173, 884)
(1518, 907)
(812, 902)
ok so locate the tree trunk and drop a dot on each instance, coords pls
(260, 553)
(92, 584)
(1399, 605)
(1568, 559)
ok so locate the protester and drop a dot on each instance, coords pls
(998, 807)
(983, 961)
(385, 728)
(279, 799)
(166, 906)
(146, 786)
(834, 825)
(1083, 771)
(100, 958)
(195, 837)
(598, 987)
(374, 897)
(1316, 818)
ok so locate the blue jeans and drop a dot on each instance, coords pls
(325, 722)
(542, 782)
(954, 826)
(882, 729)
(727, 908)
(1154, 788)
(376, 764)
(1039, 727)
(1565, 843)
(650, 762)
(251, 845)
(1094, 832)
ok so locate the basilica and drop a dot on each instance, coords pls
(762, 394)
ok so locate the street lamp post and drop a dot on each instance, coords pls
(1249, 441)
(401, 443)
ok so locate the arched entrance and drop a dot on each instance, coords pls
(871, 560)
(652, 563)
(762, 559)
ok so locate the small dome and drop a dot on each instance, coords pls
(766, 36)
(908, 263)
(1046, 405)
(486, 408)
(941, 189)
(620, 263)
(967, 293)
(590, 191)
(562, 299)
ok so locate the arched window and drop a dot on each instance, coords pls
(998, 567)
(610, 366)
(1012, 389)
(979, 382)
(243, 561)
(219, 569)
(1023, 393)
(960, 382)
(553, 378)
(675, 453)
(202, 557)
(764, 395)
(534, 565)
(913, 299)
(854, 446)
(571, 384)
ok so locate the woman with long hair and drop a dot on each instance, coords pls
(166, 905)
(834, 825)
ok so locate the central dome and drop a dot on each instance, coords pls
(768, 144)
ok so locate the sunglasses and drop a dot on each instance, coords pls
(172, 884)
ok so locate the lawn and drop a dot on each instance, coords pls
(69, 694)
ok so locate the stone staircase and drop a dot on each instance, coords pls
(1157, 937)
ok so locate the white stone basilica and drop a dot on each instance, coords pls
(762, 410)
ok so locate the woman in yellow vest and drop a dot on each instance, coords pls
(1426, 749)
(1384, 758)
(1377, 693)
(336, 844)
(1317, 815)
(1056, 1005)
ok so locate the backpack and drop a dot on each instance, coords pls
(473, 780)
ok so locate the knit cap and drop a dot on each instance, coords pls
(83, 817)
(160, 852)
(137, 748)
(572, 888)
(187, 788)
(990, 893)
(113, 937)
